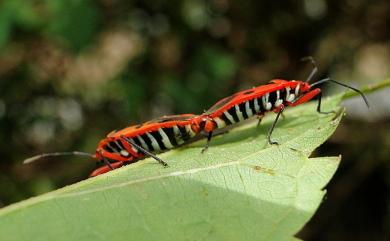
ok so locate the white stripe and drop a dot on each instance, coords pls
(266, 103)
(143, 144)
(165, 139)
(278, 101)
(220, 123)
(287, 93)
(132, 147)
(189, 130)
(291, 97)
(125, 153)
(264, 99)
(257, 107)
(248, 110)
(155, 145)
(229, 117)
(177, 133)
(297, 89)
(239, 113)
(269, 106)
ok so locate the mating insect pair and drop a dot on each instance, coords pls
(135, 142)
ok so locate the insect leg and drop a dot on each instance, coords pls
(259, 122)
(319, 106)
(147, 153)
(108, 164)
(260, 118)
(306, 97)
(281, 108)
(105, 169)
(209, 136)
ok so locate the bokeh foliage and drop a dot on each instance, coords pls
(73, 70)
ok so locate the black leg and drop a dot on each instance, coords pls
(208, 142)
(147, 153)
(319, 106)
(273, 127)
(108, 163)
(260, 118)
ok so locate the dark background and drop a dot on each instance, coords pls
(73, 70)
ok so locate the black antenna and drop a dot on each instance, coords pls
(71, 153)
(315, 68)
(347, 86)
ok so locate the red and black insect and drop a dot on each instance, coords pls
(132, 143)
(135, 142)
(275, 96)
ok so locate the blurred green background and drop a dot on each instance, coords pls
(73, 70)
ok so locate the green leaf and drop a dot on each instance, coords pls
(241, 189)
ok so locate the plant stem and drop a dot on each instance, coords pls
(368, 89)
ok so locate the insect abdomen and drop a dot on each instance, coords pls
(164, 138)
(255, 106)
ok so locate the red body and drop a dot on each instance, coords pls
(154, 136)
(231, 109)
(132, 143)
(274, 96)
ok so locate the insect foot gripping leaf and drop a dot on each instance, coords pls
(242, 189)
